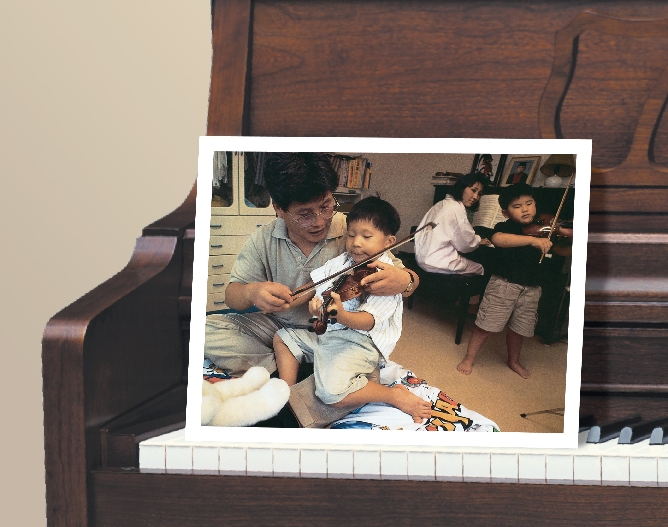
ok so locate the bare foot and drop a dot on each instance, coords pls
(465, 366)
(411, 404)
(519, 369)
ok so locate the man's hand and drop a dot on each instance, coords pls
(541, 243)
(270, 297)
(390, 280)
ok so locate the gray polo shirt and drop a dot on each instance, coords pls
(269, 255)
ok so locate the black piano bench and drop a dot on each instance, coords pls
(451, 288)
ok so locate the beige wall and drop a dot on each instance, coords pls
(101, 106)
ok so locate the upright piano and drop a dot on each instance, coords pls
(460, 68)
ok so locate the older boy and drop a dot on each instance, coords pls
(367, 327)
(513, 292)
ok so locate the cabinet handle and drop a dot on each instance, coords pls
(218, 285)
(216, 266)
(216, 226)
(217, 246)
(218, 302)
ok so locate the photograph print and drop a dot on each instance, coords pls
(330, 309)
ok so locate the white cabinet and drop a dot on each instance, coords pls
(240, 205)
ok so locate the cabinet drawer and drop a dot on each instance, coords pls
(236, 225)
(221, 264)
(215, 302)
(226, 244)
(217, 283)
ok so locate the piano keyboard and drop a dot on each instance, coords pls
(608, 463)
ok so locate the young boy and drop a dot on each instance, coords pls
(367, 327)
(513, 292)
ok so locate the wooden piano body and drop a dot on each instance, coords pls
(406, 69)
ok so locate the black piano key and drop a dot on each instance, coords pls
(639, 432)
(586, 422)
(606, 432)
(659, 435)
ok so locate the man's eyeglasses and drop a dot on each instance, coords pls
(326, 213)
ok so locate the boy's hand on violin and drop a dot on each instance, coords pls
(314, 306)
(270, 297)
(389, 280)
(543, 244)
(336, 303)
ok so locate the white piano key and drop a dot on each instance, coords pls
(504, 467)
(531, 468)
(152, 458)
(313, 463)
(178, 458)
(179, 454)
(232, 461)
(286, 462)
(366, 464)
(449, 466)
(477, 466)
(421, 466)
(393, 464)
(662, 466)
(614, 469)
(340, 464)
(587, 461)
(559, 469)
(205, 459)
(259, 461)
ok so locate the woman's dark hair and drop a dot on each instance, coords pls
(457, 190)
(298, 177)
(379, 212)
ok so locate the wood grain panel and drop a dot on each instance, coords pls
(610, 358)
(152, 499)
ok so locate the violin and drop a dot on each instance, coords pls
(555, 222)
(348, 287)
(349, 273)
(541, 225)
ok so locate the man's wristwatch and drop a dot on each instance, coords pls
(410, 284)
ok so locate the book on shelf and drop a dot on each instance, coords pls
(353, 172)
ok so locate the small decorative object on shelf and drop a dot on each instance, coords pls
(445, 178)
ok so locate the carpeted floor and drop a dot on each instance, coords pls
(427, 347)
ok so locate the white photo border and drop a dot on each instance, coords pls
(388, 438)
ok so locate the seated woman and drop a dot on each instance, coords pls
(439, 250)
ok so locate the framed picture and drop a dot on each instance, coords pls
(217, 411)
(489, 164)
(520, 169)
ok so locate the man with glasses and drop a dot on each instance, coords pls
(279, 257)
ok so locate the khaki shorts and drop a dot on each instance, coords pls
(504, 303)
(342, 359)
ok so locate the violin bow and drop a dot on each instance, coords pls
(556, 216)
(348, 270)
